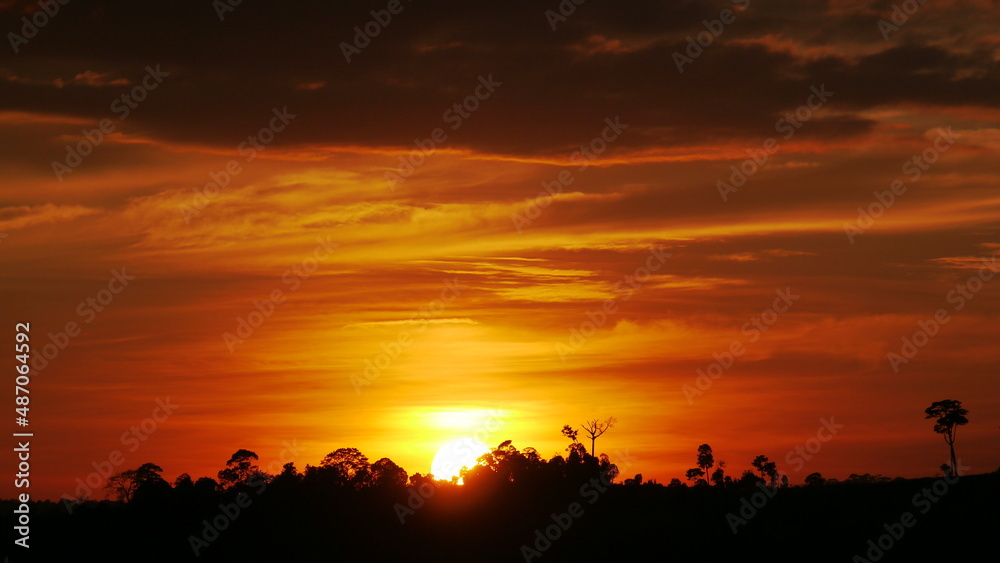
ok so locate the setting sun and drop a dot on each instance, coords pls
(481, 281)
(455, 455)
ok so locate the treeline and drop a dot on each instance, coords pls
(515, 505)
(350, 469)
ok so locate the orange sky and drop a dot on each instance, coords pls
(469, 275)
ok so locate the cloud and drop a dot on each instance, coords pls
(524, 292)
(430, 57)
(15, 218)
(409, 322)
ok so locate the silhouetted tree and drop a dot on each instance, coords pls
(768, 469)
(705, 460)
(749, 479)
(385, 473)
(570, 433)
(718, 476)
(151, 486)
(205, 490)
(675, 482)
(348, 467)
(288, 478)
(608, 469)
(513, 466)
(595, 428)
(866, 478)
(635, 481)
(577, 453)
(949, 415)
(533, 466)
(425, 482)
(123, 484)
(815, 480)
(183, 481)
(239, 469)
(206, 485)
(288, 470)
(695, 473)
(554, 469)
(149, 473)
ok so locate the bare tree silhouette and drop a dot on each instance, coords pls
(594, 428)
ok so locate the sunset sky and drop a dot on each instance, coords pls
(461, 265)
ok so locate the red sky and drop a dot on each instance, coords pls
(468, 268)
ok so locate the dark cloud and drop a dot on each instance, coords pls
(225, 76)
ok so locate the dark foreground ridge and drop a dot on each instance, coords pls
(507, 513)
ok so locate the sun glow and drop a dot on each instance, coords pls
(455, 455)
(467, 419)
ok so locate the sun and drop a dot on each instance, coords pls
(455, 455)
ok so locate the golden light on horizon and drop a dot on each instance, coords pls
(455, 455)
(467, 419)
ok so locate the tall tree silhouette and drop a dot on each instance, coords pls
(950, 415)
(705, 460)
(594, 428)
